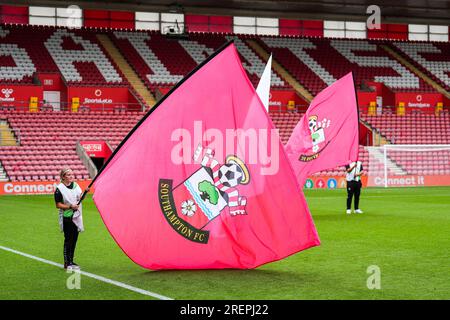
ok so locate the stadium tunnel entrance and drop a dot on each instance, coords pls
(98, 151)
(98, 162)
(365, 135)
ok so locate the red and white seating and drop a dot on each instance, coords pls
(415, 129)
(431, 57)
(76, 54)
(423, 163)
(47, 144)
(135, 47)
(412, 128)
(22, 53)
(162, 62)
(285, 123)
(318, 62)
(48, 141)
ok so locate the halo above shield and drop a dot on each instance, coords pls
(235, 160)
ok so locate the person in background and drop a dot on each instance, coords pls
(67, 195)
(46, 106)
(354, 172)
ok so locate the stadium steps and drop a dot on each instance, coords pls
(378, 138)
(7, 137)
(391, 165)
(381, 140)
(3, 176)
(419, 73)
(301, 91)
(127, 70)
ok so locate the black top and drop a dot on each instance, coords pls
(58, 194)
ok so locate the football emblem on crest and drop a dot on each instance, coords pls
(233, 172)
(205, 194)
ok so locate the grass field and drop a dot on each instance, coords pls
(405, 232)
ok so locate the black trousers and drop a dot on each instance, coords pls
(70, 239)
(353, 188)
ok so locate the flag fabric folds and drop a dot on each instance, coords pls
(203, 181)
(327, 134)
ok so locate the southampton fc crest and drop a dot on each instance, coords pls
(211, 190)
(317, 130)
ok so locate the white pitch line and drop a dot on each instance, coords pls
(91, 275)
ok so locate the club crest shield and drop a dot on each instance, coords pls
(210, 191)
(318, 139)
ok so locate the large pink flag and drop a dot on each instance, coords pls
(202, 181)
(327, 135)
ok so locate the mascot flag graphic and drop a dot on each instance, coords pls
(327, 135)
(202, 181)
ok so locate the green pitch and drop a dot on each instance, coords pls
(405, 232)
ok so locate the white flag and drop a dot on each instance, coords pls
(263, 88)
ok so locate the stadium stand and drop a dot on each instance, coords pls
(23, 54)
(412, 128)
(160, 62)
(429, 163)
(308, 59)
(76, 54)
(48, 141)
(285, 123)
(433, 58)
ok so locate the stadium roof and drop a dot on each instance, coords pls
(405, 11)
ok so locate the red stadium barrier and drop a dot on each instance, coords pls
(410, 181)
(331, 182)
(96, 97)
(334, 182)
(16, 95)
(419, 101)
(96, 148)
(34, 187)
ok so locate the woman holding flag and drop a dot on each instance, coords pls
(67, 196)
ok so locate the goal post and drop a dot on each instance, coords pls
(394, 165)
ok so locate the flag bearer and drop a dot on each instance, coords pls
(67, 195)
(353, 177)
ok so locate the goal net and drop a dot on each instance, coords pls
(408, 165)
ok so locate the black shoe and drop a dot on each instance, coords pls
(66, 265)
